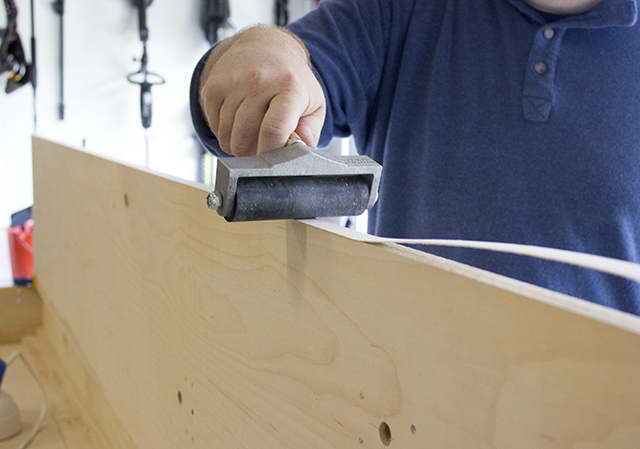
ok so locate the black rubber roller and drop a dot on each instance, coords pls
(277, 198)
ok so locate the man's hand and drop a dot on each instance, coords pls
(257, 88)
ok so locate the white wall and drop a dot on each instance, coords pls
(101, 107)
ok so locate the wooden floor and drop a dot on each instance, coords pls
(64, 425)
(25, 392)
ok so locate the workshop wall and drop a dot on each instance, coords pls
(102, 109)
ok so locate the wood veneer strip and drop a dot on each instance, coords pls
(621, 268)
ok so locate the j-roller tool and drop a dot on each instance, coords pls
(293, 182)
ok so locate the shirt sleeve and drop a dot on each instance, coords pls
(348, 43)
(206, 137)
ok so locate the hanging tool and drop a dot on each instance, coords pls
(143, 77)
(58, 7)
(214, 17)
(215, 21)
(282, 12)
(33, 73)
(12, 57)
(294, 182)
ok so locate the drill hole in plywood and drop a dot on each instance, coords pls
(385, 433)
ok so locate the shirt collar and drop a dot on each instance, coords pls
(607, 13)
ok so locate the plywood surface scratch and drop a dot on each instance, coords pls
(203, 333)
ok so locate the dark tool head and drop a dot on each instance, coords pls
(143, 77)
(215, 20)
(294, 182)
(12, 57)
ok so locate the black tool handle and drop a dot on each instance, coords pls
(9, 36)
(142, 20)
(58, 7)
(145, 104)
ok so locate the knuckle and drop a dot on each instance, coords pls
(263, 81)
(257, 81)
(289, 81)
(273, 128)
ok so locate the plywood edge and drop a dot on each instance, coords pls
(84, 416)
(20, 313)
(39, 142)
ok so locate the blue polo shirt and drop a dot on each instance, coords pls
(493, 122)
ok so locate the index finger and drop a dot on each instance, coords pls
(279, 122)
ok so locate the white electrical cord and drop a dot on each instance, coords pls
(43, 410)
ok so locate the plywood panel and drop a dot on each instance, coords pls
(202, 333)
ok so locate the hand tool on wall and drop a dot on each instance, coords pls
(33, 73)
(143, 77)
(12, 57)
(58, 7)
(294, 182)
(215, 20)
(282, 12)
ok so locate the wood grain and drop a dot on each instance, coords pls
(202, 333)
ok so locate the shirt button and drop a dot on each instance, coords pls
(540, 68)
(548, 33)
